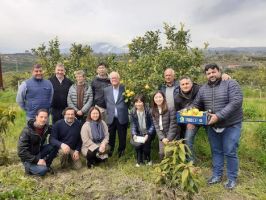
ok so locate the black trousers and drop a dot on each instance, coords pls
(57, 114)
(143, 151)
(122, 135)
(91, 157)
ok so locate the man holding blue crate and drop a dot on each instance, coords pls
(224, 101)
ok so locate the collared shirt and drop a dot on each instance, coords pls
(115, 93)
(69, 124)
(60, 79)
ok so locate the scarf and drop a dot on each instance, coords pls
(97, 132)
(80, 96)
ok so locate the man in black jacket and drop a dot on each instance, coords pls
(187, 92)
(61, 85)
(98, 84)
(32, 150)
(224, 100)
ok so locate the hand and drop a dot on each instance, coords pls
(75, 155)
(102, 148)
(225, 77)
(65, 148)
(41, 162)
(191, 126)
(79, 113)
(165, 141)
(146, 138)
(213, 119)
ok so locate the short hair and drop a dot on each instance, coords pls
(36, 66)
(60, 65)
(139, 97)
(79, 72)
(102, 64)
(114, 73)
(184, 77)
(170, 69)
(66, 109)
(211, 66)
(41, 110)
(89, 114)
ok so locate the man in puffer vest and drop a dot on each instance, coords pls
(35, 93)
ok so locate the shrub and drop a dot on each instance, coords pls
(175, 171)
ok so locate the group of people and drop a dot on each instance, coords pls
(86, 117)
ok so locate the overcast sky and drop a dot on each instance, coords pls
(25, 24)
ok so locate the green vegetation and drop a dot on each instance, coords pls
(119, 178)
(141, 71)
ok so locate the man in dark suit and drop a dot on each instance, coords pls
(117, 113)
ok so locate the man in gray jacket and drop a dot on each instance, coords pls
(80, 96)
(224, 101)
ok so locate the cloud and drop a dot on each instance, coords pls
(27, 23)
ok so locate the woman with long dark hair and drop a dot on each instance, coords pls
(164, 120)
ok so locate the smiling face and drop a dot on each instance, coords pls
(185, 85)
(102, 71)
(41, 118)
(70, 116)
(115, 79)
(95, 115)
(37, 73)
(169, 76)
(213, 75)
(158, 99)
(60, 72)
(139, 105)
(80, 79)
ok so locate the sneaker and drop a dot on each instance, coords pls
(149, 163)
(214, 180)
(137, 165)
(230, 184)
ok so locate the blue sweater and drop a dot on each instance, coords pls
(63, 133)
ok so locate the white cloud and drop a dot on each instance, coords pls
(27, 23)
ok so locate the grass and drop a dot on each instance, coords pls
(120, 179)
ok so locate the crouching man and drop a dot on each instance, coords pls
(33, 151)
(66, 138)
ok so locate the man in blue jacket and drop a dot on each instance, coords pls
(35, 93)
(66, 137)
(224, 100)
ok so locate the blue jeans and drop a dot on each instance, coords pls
(48, 153)
(225, 145)
(189, 140)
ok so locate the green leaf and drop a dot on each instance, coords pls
(184, 177)
(182, 156)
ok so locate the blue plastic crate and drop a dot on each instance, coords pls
(203, 120)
